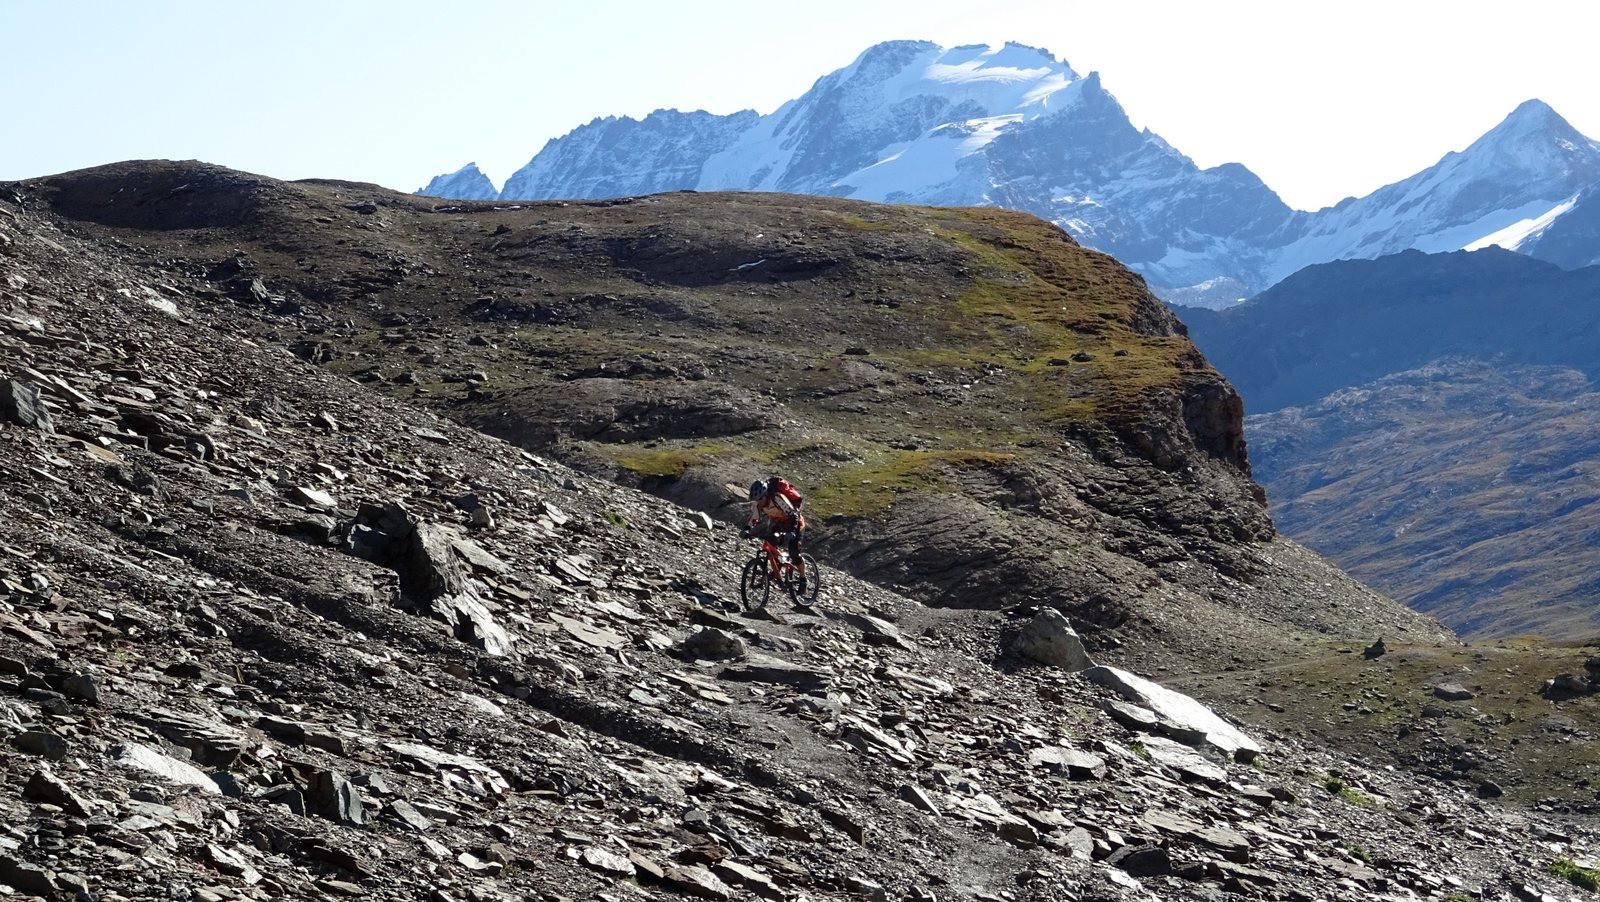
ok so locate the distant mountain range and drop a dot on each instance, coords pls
(1432, 423)
(1015, 127)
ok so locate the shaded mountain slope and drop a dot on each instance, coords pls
(1343, 324)
(1468, 489)
(1428, 422)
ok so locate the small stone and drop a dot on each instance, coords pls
(1452, 692)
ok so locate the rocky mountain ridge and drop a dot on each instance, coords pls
(268, 632)
(1015, 127)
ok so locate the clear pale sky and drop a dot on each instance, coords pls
(1321, 99)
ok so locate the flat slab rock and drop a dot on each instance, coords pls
(1186, 761)
(139, 757)
(765, 669)
(1176, 708)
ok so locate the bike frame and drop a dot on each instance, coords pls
(780, 566)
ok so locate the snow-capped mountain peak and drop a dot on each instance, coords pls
(466, 183)
(1013, 126)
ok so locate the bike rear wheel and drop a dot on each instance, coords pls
(755, 584)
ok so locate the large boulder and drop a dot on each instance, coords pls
(1049, 639)
(1189, 719)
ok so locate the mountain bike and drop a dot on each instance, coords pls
(771, 567)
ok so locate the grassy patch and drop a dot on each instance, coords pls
(616, 519)
(1570, 871)
(864, 489)
(1343, 790)
(1358, 853)
(669, 462)
(1064, 316)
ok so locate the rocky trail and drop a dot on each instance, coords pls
(266, 633)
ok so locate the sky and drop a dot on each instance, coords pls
(1321, 99)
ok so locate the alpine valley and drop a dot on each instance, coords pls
(1015, 127)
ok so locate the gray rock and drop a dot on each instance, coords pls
(139, 757)
(711, 644)
(765, 669)
(1452, 692)
(1049, 639)
(82, 686)
(910, 792)
(44, 786)
(479, 559)
(1073, 763)
(1564, 686)
(1019, 833)
(1187, 762)
(20, 404)
(424, 556)
(1141, 860)
(1080, 842)
(407, 814)
(694, 880)
(311, 497)
(27, 878)
(337, 799)
(43, 743)
(1180, 711)
(233, 863)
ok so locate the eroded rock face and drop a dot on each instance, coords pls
(425, 557)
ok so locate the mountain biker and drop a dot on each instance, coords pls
(775, 511)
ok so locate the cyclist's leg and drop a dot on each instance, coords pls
(796, 543)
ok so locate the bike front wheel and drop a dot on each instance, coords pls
(755, 584)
